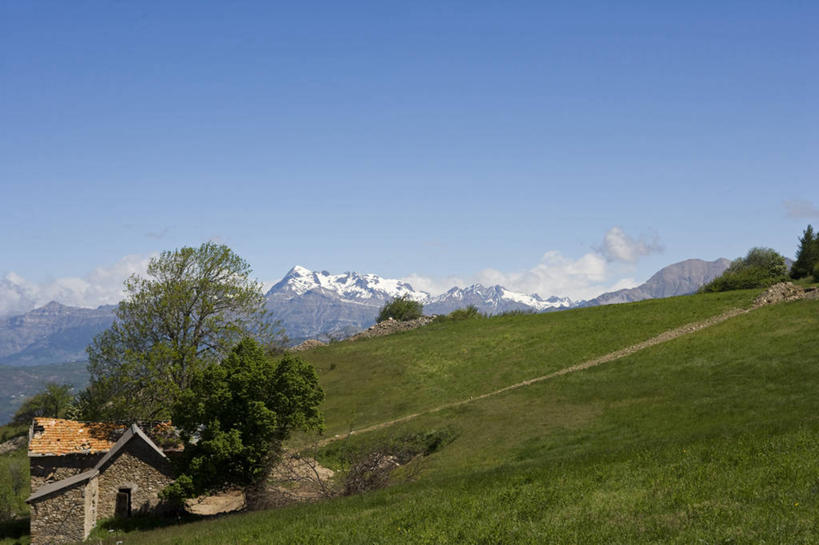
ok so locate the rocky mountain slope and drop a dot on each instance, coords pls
(53, 333)
(678, 279)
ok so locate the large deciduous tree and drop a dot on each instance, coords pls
(235, 416)
(193, 306)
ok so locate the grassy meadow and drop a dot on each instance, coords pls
(382, 378)
(14, 489)
(710, 438)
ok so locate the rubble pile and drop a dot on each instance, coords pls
(778, 293)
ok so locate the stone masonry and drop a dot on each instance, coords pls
(73, 491)
(48, 469)
(62, 517)
(136, 467)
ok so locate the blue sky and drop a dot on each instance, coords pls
(438, 141)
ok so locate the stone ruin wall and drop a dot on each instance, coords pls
(91, 500)
(47, 469)
(138, 467)
(60, 517)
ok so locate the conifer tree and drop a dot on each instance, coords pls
(807, 255)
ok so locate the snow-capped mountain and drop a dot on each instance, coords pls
(351, 286)
(312, 304)
(492, 300)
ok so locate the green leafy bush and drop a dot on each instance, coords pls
(760, 268)
(402, 309)
(235, 416)
(467, 313)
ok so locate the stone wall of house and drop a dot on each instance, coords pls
(91, 500)
(59, 518)
(137, 467)
(47, 469)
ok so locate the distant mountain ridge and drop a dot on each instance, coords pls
(311, 304)
(318, 304)
(680, 278)
(53, 333)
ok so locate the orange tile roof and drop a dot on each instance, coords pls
(58, 437)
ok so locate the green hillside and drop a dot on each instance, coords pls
(708, 438)
(378, 379)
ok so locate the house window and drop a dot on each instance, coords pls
(123, 508)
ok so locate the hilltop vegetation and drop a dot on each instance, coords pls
(760, 268)
(20, 383)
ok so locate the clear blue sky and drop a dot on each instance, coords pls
(429, 138)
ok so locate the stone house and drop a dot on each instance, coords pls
(84, 472)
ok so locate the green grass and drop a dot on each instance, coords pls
(374, 380)
(14, 489)
(711, 438)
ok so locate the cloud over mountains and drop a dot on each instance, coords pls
(601, 270)
(618, 246)
(101, 286)
(606, 268)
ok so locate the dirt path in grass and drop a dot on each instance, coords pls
(772, 296)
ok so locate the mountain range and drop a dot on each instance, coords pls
(53, 333)
(311, 304)
(318, 304)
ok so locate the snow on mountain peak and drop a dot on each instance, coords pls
(373, 289)
(497, 295)
(347, 285)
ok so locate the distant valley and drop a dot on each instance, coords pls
(18, 383)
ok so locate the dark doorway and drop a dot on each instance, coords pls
(123, 508)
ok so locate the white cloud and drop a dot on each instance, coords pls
(101, 286)
(618, 246)
(433, 286)
(555, 274)
(801, 209)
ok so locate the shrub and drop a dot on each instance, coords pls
(371, 468)
(760, 268)
(402, 309)
(461, 314)
(235, 416)
(816, 273)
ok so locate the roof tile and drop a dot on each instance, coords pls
(59, 437)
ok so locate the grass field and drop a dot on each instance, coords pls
(711, 438)
(14, 489)
(378, 379)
